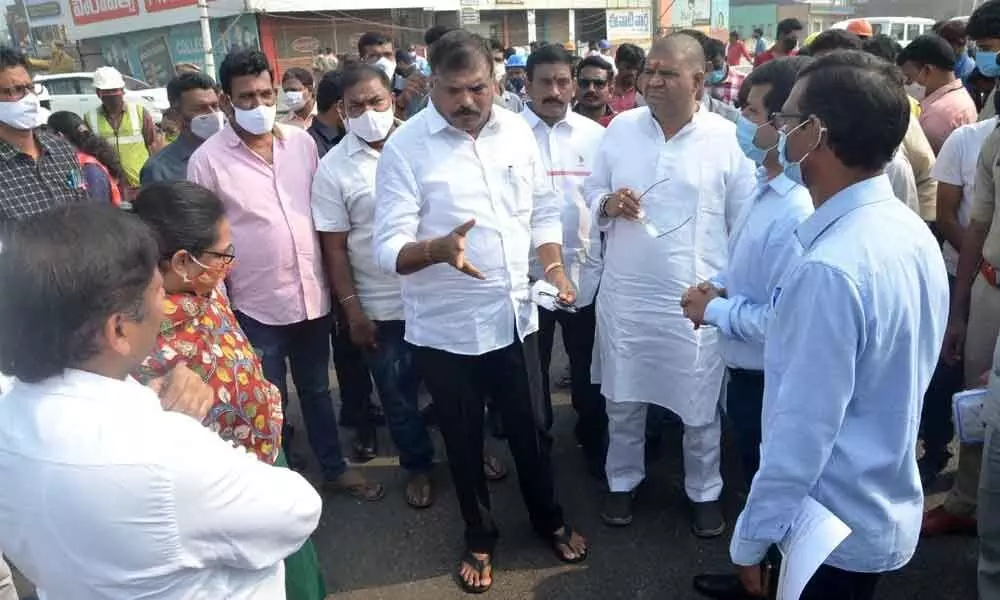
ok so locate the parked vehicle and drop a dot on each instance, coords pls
(75, 92)
(902, 29)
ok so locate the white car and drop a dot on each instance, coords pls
(75, 92)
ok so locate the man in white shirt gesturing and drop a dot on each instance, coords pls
(462, 197)
(668, 184)
(105, 494)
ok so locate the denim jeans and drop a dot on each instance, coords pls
(306, 346)
(355, 383)
(395, 375)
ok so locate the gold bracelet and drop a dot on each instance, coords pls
(552, 267)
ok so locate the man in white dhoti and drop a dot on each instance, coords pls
(667, 186)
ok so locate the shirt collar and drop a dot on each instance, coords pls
(44, 139)
(356, 144)
(869, 191)
(232, 140)
(436, 123)
(534, 120)
(92, 387)
(330, 134)
(781, 184)
(941, 91)
(703, 107)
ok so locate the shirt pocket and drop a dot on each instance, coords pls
(517, 190)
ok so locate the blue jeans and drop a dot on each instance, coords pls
(395, 375)
(306, 345)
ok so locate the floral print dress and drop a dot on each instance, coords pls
(202, 333)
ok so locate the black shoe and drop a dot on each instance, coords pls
(617, 510)
(722, 587)
(708, 519)
(365, 444)
(930, 467)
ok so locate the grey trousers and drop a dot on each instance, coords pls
(989, 517)
(7, 591)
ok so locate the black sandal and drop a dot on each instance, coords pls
(480, 566)
(563, 539)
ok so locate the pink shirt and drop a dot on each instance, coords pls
(944, 111)
(278, 278)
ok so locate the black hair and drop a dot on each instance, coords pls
(76, 131)
(435, 33)
(186, 82)
(371, 38)
(403, 58)
(758, 31)
(358, 73)
(182, 216)
(861, 102)
(883, 46)
(929, 50)
(548, 54)
(714, 48)
(701, 37)
(985, 21)
(630, 55)
(781, 75)
(595, 61)
(788, 26)
(835, 39)
(303, 75)
(12, 57)
(329, 92)
(734, 34)
(241, 63)
(953, 31)
(459, 50)
(65, 272)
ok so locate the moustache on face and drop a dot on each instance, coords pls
(590, 96)
(465, 111)
(552, 101)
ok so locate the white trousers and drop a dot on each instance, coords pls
(626, 463)
(7, 591)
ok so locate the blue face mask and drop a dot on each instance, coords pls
(792, 170)
(746, 130)
(986, 62)
(715, 77)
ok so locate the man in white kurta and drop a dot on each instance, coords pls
(667, 187)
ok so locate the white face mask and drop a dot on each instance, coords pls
(372, 126)
(23, 114)
(295, 99)
(205, 126)
(389, 66)
(256, 121)
(916, 91)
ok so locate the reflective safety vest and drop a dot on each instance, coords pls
(85, 159)
(127, 141)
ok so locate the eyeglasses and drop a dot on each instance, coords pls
(17, 91)
(227, 257)
(782, 120)
(599, 84)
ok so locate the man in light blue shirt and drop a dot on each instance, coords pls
(853, 338)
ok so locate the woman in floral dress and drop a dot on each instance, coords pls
(200, 331)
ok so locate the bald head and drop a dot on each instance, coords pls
(680, 48)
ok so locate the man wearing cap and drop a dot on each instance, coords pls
(861, 28)
(127, 126)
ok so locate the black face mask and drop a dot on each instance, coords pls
(789, 44)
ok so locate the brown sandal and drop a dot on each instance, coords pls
(356, 485)
(420, 491)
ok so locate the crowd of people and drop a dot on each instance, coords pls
(803, 255)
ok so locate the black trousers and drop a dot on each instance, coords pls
(578, 340)
(744, 405)
(830, 583)
(512, 378)
(353, 377)
(936, 427)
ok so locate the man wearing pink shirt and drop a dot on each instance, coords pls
(263, 173)
(929, 65)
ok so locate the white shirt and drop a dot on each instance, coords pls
(904, 184)
(760, 251)
(956, 165)
(105, 496)
(343, 201)
(431, 179)
(568, 150)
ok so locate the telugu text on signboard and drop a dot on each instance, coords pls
(628, 24)
(95, 11)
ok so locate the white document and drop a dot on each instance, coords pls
(968, 412)
(546, 295)
(814, 534)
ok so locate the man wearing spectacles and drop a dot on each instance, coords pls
(594, 76)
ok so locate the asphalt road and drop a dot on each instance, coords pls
(392, 552)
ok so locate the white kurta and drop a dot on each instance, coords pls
(646, 350)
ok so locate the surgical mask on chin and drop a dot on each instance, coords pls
(715, 77)
(205, 126)
(295, 99)
(256, 121)
(373, 125)
(986, 62)
(499, 71)
(23, 114)
(746, 130)
(792, 170)
(389, 66)
(916, 91)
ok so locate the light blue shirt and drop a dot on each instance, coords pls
(856, 327)
(760, 252)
